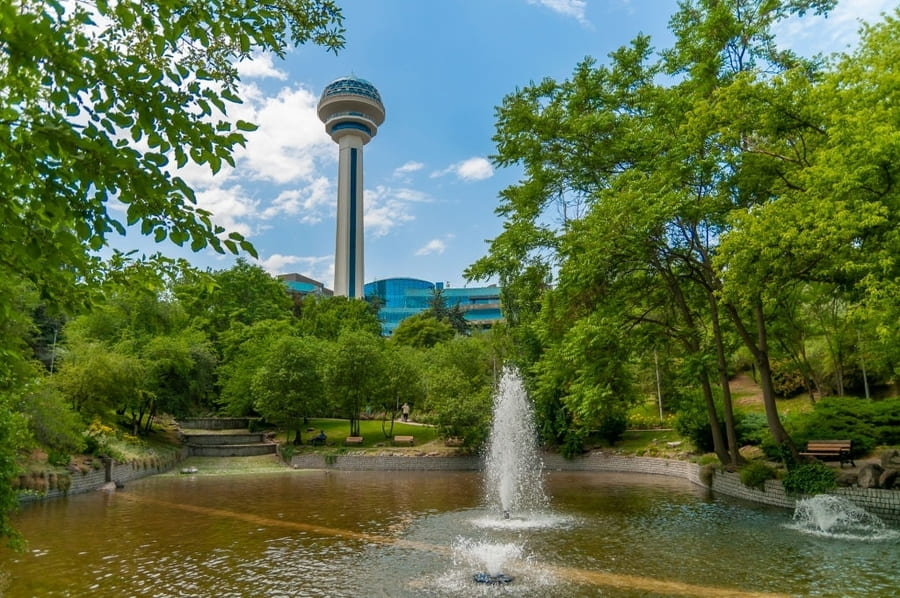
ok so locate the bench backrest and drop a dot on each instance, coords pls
(828, 445)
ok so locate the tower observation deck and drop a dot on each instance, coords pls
(352, 111)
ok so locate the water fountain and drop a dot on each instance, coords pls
(514, 490)
(835, 517)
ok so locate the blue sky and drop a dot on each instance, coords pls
(441, 68)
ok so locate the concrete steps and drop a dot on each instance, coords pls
(224, 437)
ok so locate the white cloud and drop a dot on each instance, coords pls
(288, 147)
(231, 208)
(568, 8)
(387, 208)
(437, 246)
(408, 168)
(838, 31)
(290, 140)
(473, 169)
(318, 268)
(260, 66)
(312, 202)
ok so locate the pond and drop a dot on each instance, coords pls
(325, 533)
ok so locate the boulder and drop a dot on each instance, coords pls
(847, 479)
(890, 459)
(888, 479)
(869, 475)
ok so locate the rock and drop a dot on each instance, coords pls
(869, 475)
(847, 479)
(888, 479)
(890, 459)
(675, 444)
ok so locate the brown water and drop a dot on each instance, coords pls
(312, 533)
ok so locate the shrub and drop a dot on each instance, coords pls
(612, 427)
(573, 444)
(751, 428)
(642, 421)
(708, 459)
(867, 423)
(286, 451)
(787, 379)
(809, 479)
(59, 458)
(706, 474)
(755, 474)
(692, 423)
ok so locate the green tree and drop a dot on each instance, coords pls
(437, 307)
(99, 101)
(96, 378)
(288, 387)
(354, 374)
(404, 383)
(100, 98)
(459, 381)
(244, 293)
(244, 350)
(328, 317)
(422, 331)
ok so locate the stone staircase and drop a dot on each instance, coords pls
(223, 437)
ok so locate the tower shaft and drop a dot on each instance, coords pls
(349, 270)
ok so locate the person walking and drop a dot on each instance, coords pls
(405, 411)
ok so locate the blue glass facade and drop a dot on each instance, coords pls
(351, 86)
(404, 297)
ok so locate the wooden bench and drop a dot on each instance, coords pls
(403, 440)
(830, 450)
(353, 440)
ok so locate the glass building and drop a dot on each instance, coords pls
(297, 284)
(401, 298)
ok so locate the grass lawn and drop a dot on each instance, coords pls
(338, 429)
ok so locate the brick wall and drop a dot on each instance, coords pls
(386, 462)
(114, 472)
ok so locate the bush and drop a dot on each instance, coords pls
(286, 451)
(787, 379)
(866, 422)
(612, 427)
(809, 479)
(51, 420)
(755, 474)
(58, 458)
(692, 423)
(573, 444)
(751, 428)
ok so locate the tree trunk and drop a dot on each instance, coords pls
(692, 344)
(715, 428)
(724, 381)
(759, 348)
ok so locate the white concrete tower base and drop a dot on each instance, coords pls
(349, 256)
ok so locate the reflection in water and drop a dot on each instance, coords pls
(314, 533)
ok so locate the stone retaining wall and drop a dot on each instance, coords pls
(884, 503)
(215, 423)
(96, 478)
(386, 462)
